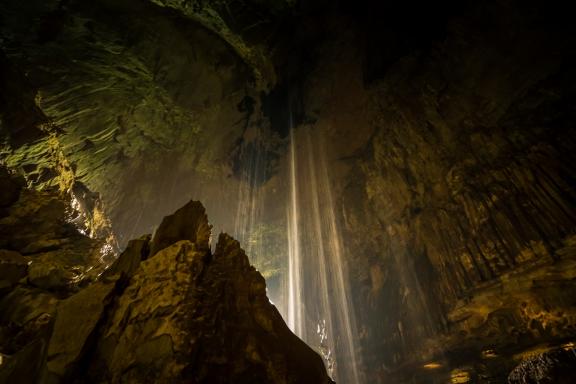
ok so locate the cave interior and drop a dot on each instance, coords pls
(287, 191)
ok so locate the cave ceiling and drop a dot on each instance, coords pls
(123, 93)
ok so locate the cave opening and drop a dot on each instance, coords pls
(287, 191)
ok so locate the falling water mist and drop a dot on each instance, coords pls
(315, 298)
(249, 209)
(319, 306)
(295, 293)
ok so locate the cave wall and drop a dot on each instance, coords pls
(114, 94)
(448, 128)
(453, 158)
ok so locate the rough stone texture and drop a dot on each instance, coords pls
(146, 337)
(187, 223)
(26, 316)
(50, 276)
(10, 191)
(13, 266)
(92, 101)
(39, 226)
(26, 365)
(555, 366)
(453, 167)
(265, 337)
(181, 315)
(46, 260)
(26, 304)
(76, 321)
(189, 316)
(129, 260)
(230, 21)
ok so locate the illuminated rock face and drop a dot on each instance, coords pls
(44, 263)
(180, 314)
(89, 100)
(449, 132)
(188, 316)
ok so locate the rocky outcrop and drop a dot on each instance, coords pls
(129, 260)
(167, 311)
(39, 242)
(188, 223)
(188, 316)
(555, 366)
(44, 260)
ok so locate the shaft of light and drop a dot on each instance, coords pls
(295, 299)
(342, 287)
(316, 265)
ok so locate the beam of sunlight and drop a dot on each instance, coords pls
(295, 318)
(319, 296)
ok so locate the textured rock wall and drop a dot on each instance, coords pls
(168, 310)
(454, 167)
(449, 127)
(115, 94)
(44, 260)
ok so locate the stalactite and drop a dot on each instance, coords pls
(505, 256)
(553, 194)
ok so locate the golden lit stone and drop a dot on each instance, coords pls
(489, 354)
(569, 346)
(459, 376)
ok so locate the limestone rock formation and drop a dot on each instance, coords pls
(189, 316)
(76, 319)
(44, 260)
(13, 266)
(555, 366)
(129, 260)
(39, 241)
(448, 130)
(187, 223)
(454, 170)
(166, 312)
(186, 79)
